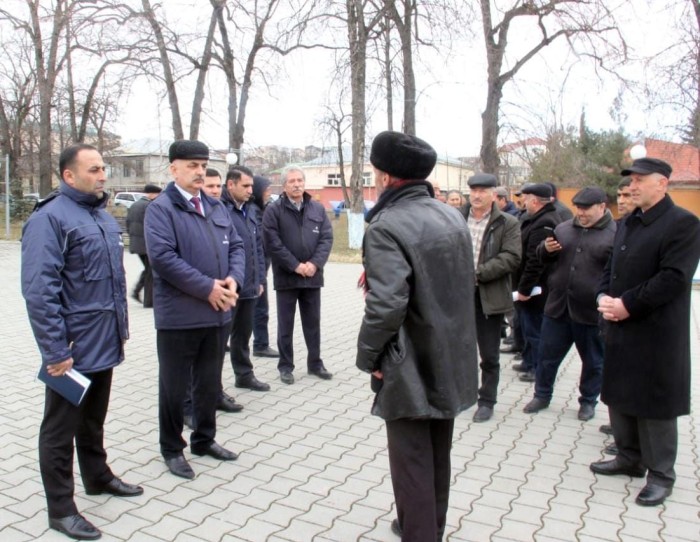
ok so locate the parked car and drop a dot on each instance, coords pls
(339, 206)
(127, 199)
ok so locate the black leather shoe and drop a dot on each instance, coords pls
(611, 449)
(527, 377)
(510, 349)
(653, 495)
(266, 353)
(483, 414)
(518, 356)
(520, 367)
(217, 452)
(586, 412)
(252, 383)
(75, 526)
(322, 373)
(287, 377)
(189, 422)
(535, 405)
(116, 487)
(396, 528)
(606, 428)
(228, 404)
(179, 466)
(614, 466)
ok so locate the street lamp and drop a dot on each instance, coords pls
(231, 158)
(638, 151)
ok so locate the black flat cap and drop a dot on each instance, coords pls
(645, 166)
(402, 156)
(485, 180)
(540, 190)
(590, 195)
(152, 189)
(188, 149)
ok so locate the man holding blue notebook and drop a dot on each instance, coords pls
(75, 290)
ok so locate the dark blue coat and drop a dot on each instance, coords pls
(73, 281)
(293, 237)
(245, 220)
(187, 252)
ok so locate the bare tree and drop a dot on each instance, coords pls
(588, 27)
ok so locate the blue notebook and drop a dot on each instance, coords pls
(72, 386)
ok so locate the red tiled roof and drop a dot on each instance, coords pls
(683, 158)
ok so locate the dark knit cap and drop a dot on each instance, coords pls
(188, 149)
(541, 190)
(402, 156)
(152, 189)
(588, 196)
(485, 180)
(645, 166)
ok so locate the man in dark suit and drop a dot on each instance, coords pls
(645, 299)
(298, 238)
(137, 243)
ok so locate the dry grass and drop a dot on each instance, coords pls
(341, 252)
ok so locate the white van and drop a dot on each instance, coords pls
(127, 199)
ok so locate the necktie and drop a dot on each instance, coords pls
(195, 201)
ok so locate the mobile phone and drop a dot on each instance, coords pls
(550, 232)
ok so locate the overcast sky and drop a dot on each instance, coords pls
(452, 94)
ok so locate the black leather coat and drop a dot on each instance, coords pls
(419, 327)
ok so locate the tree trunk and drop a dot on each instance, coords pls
(202, 75)
(150, 15)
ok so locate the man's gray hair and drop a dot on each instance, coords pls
(286, 171)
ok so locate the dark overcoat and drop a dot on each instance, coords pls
(647, 356)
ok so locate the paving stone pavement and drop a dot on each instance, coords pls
(313, 463)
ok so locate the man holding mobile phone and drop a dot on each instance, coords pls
(577, 250)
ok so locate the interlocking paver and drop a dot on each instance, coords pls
(313, 464)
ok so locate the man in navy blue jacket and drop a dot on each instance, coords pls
(235, 196)
(75, 289)
(298, 238)
(198, 266)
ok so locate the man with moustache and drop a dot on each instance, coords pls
(496, 244)
(298, 238)
(75, 289)
(199, 264)
(645, 298)
(237, 193)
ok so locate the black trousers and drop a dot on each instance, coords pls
(419, 459)
(145, 282)
(62, 424)
(261, 318)
(309, 300)
(488, 337)
(241, 330)
(651, 443)
(185, 354)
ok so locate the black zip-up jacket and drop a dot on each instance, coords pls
(293, 237)
(577, 268)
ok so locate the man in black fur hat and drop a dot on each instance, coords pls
(418, 335)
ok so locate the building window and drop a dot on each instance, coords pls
(138, 168)
(126, 171)
(367, 179)
(334, 179)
